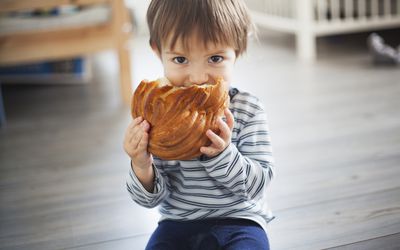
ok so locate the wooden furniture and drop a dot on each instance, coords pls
(31, 46)
(2, 112)
(309, 19)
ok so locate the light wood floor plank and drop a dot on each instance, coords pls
(389, 242)
(337, 222)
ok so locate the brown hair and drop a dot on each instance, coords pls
(217, 21)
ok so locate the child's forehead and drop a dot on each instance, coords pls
(192, 41)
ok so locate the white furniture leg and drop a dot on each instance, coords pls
(305, 38)
(306, 46)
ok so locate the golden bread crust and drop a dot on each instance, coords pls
(179, 116)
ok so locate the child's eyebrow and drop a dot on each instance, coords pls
(217, 52)
(174, 52)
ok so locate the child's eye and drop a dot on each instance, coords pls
(215, 59)
(179, 60)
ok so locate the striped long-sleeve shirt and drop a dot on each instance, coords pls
(230, 185)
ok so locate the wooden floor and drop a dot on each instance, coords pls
(336, 135)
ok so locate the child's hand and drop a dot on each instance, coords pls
(220, 142)
(136, 142)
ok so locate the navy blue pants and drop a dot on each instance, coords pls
(226, 234)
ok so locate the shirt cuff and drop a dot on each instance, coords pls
(157, 183)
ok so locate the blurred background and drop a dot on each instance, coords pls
(328, 72)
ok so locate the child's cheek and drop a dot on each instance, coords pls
(174, 75)
(226, 72)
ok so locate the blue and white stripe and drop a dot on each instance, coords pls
(230, 185)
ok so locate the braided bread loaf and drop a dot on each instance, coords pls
(179, 116)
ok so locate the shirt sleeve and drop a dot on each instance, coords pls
(245, 169)
(140, 195)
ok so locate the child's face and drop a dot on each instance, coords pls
(198, 64)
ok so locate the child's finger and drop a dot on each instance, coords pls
(145, 125)
(225, 133)
(132, 127)
(230, 120)
(136, 138)
(135, 122)
(138, 130)
(217, 141)
(144, 141)
(209, 151)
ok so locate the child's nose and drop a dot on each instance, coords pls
(198, 77)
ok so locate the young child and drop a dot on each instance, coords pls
(218, 200)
